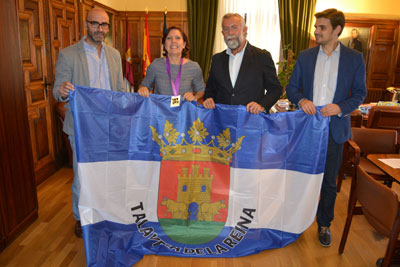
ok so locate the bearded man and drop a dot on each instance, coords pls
(88, 63)
(242, 74)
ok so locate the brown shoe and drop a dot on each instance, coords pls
(78, 229)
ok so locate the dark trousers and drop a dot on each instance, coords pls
(327, 200)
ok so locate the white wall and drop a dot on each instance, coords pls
(363, 8)
(141, 5)
(374, 8)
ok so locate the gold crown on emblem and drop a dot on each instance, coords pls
(199, 149)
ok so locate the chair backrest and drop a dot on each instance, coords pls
(384, 117)
(380, 204)
(374, 95)
(377, 94)
(356, 118)
(375, 141)
(60, 110)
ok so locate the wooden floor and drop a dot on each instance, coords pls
(50, 240)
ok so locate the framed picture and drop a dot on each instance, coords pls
(358, 37)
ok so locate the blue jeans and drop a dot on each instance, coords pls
(76, 186)
(326, 206)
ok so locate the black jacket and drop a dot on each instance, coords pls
(257, 74)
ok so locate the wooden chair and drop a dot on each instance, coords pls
(381, 208)
(356, 121)
(376, 95)
(356, 118)
(365, 141)
(384, 117)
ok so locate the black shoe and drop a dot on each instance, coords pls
(324, 235)
(78, 229)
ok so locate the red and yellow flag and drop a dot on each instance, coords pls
(146, 48)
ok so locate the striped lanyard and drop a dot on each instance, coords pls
(175, 85)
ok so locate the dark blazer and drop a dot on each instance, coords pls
(350, 88)
(257, 74)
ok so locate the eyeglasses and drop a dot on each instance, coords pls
(96, 24)
(234, 28)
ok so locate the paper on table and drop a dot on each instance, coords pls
(394, 163)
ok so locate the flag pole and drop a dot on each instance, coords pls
(129, 80)
(164, 29)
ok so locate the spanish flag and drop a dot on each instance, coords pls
(146, 48)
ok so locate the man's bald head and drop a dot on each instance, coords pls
(97, 12)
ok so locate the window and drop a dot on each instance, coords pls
(262, 22)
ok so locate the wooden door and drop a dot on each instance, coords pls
(383, 55)
(63, 25)
(18, 202)
(63, 31)
(37, 90)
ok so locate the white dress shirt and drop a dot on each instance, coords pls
(325, 76)
(99, 72)
(235, 61)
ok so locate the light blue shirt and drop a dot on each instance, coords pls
(99, 72)
(325, 76)
(235, 61)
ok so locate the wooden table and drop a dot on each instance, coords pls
(394, 173)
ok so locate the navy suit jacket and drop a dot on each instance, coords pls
(257, 73)
(350, 88)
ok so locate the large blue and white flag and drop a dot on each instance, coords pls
(190, 182)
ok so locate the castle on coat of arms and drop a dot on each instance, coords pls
(194, 194)
(193, 200)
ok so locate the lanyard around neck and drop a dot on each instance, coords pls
(175, 85)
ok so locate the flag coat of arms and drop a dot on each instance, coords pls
(190, 182)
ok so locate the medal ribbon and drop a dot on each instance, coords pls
(175, 85)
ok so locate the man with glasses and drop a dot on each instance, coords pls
(242, 74)
(87, 63)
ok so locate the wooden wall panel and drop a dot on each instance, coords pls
(382, 59)
(64, 27)
(396, 74)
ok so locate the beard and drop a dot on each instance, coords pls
(96, 36)
(232, 41)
